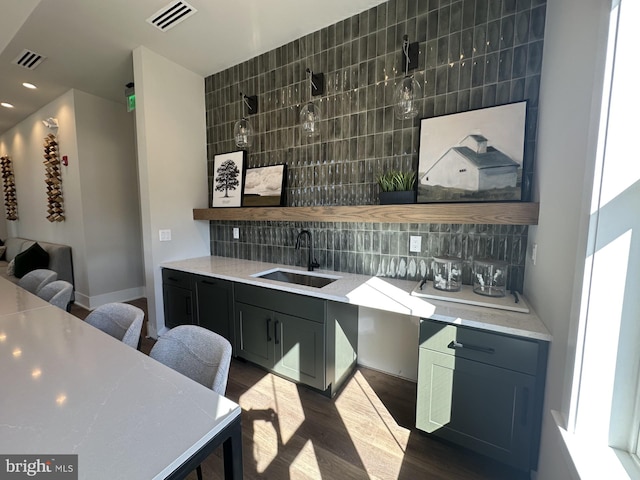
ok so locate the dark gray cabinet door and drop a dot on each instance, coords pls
(483, 407)
(178, 306)
(178, 298)
(214, 301)
(305, 339)
(254, 332)
(299, 349)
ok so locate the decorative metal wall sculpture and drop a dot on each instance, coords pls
(53, 179)
(10, 201)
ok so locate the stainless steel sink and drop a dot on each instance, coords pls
(299, 278)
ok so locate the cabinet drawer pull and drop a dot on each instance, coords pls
(268, 330)
(208, 282)
(275, 332)
(455, 345)
(187, 302)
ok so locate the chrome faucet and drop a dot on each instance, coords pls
(311, 262)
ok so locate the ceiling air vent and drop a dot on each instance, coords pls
(171, 15)
(28, 59)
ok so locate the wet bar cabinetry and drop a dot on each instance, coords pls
(198, 300)
(177, 292)
(482, 390)
(481, 371)
(308, 340)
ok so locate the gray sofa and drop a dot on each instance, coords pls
(59, 257)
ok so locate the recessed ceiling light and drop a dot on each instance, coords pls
(29, 85)
(6, 105)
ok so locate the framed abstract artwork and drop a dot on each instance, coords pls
(474, 156)
(264, 186)
(228, 179)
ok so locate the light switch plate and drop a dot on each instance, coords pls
(165, 235)
(236, 233)
(415, 243)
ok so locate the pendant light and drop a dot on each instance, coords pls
(243, 130)
(408, 92)
(310, 114)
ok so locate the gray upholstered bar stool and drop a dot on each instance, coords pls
(120, 320)
(36, 279)
(198, 353)
(57, 293)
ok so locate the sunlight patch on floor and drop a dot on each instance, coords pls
(381, 429)
(264, 434)
(286, 393)
(269, 428)
(274, 418)
(305, 465)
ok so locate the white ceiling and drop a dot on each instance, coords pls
(88, 43)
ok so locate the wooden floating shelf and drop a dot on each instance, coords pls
(504, 213)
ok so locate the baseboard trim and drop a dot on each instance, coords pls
(121, 296)
(386, 372)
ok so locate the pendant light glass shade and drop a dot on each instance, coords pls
(406, 97)
(408, 92)
(243, 133)
(310, 114)
(310, 117)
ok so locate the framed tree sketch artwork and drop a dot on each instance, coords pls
(228, 179)
(474, 156)
(264, 186)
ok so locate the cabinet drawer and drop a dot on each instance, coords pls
(284, 302)
(503, 351)
(176, 278)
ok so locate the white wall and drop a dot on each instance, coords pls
(110, 199)
(382, 342)
(570, 91)
(172, 163)
(24, 144)
(99, 187)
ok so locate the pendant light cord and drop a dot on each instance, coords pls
(405, 50)
(244, 102)
(311, 84)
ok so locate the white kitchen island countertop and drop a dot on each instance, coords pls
(380, 293)
(71, 389)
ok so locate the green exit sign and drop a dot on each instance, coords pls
(131, 103)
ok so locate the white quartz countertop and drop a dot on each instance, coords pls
(69, 388)
(380, 293)
(14, 299)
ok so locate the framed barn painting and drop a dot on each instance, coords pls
(228, 179)
(264, 186)
(474, 156)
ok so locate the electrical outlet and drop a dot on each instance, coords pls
(165, 235)
(534, 253)
(415, 244)
(236, 233)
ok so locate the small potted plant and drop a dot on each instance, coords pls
(397, 187)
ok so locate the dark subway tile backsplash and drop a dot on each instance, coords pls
(472, 54)
(374, 248)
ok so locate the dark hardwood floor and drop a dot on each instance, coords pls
(365, 432)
